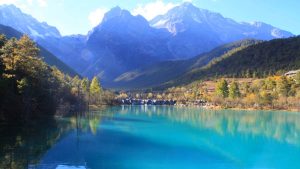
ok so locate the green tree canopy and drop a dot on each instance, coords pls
(283, 86)
(234, 91)
(95, 87)
(31, 88)
(222, 88)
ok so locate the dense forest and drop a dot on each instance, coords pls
(30, 88)
(258, 60)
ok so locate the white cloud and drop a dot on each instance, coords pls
(30, 2)
(42, 3)
(96, 16)
(8, 2)
(24, 4)
(152, 9)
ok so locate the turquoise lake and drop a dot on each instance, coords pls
(156, 137)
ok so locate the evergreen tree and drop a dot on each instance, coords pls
(248, 75)
(234, 91)
(95, 91)
(95, 87)
(3, 40)
(254, 75)
(85, 85)
(222, 88)
(8, 56)
(27, 48)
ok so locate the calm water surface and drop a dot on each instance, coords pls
(139, 137)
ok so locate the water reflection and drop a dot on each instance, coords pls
(26, 144)
(89, 121)
(23, 146)
(282, 126)
(119, 134)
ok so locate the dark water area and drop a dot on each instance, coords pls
(155, 137)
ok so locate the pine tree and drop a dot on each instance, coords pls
(254, 75)
(95, 91)
(27, 48)
(95, 87)
(3, 40)
(248, 74)
(222, 88)
(234, 91)
(8, 56)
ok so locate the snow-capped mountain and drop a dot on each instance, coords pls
(12, 16)
(123, 42)
(197, 30)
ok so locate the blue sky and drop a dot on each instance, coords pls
(80, 16)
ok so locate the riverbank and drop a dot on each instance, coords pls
(254, 107)
(204, 104)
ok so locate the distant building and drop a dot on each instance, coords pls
(292, 73)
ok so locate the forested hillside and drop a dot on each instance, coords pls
(259, 60)
(162, 72)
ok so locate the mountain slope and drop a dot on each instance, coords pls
(123, 42)
(138, 46)
(47, 56)
(257, 60)
(198, 30)
(162, 72)
(13, 17)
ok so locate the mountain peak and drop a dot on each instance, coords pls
(188, 5)
(12, 16)
(116, 12)
(116, 18)
(10, 8)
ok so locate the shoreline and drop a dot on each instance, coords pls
(218, 107)
(253, 109)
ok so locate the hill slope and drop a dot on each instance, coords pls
(49, 58)
(162, 72)
(257, 60)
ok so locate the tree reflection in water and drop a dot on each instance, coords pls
(24, 145)
(282, 126)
